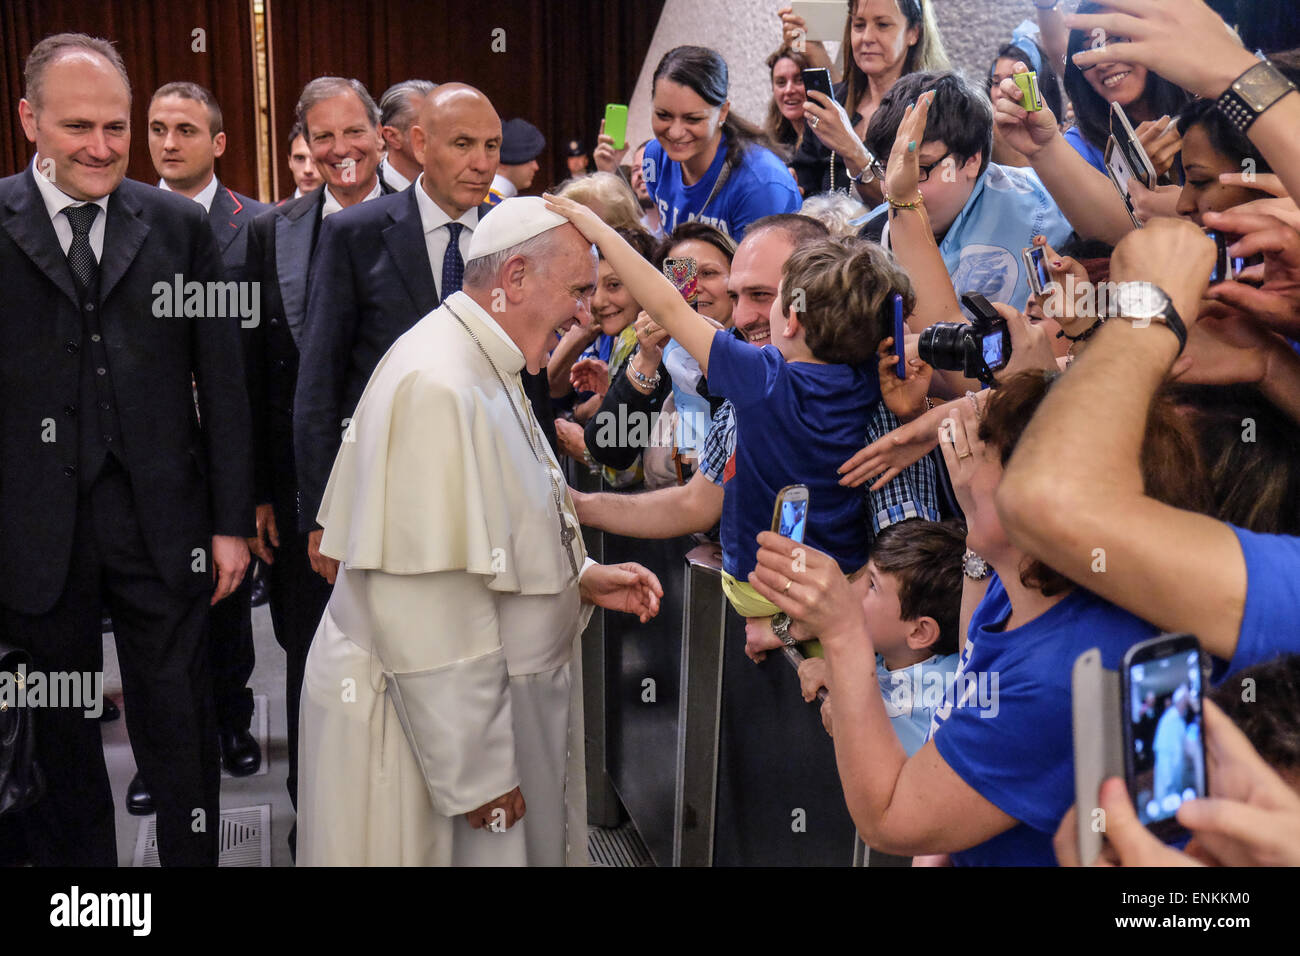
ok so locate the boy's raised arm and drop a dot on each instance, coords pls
(651, 289)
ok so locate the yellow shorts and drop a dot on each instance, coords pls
(746, 601)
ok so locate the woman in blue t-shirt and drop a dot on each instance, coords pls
(1145, 96)
(705, 163)
(994, 781)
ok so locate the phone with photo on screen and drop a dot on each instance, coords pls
(1162, 721)
(899, 330)
(684, 273)
(1035, 258)
(616, 124)
(790, 516)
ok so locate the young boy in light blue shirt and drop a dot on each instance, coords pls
(911, 596)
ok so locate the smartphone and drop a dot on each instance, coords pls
(683, 273)
(790, 516)
(818, 78)
(822, 19)
(1226, 267)
(1120, 173)
(899, 330)
(1135, 154)
(616, 124)
(1035, 258)
(1030, 99)
(1162, 721)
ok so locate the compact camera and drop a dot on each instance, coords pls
(976, 350)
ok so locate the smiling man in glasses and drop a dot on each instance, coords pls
(982, 214)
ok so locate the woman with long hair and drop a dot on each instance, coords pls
(1149, 100)
(883, 40)
(706, 163)
(785, 122)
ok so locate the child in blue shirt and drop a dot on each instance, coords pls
(802, 404)
(911, 598)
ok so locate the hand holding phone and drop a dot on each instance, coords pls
(790, 515)
(1031, 100)
(616, 124)
(899, 329)
(818, 78)
(1163, 729)
(1035, 259)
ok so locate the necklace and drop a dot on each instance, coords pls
(567, 534)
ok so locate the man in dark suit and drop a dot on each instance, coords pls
(341, 125)
(381, 268)
(398, 110)
(186, 137)
(116, 489)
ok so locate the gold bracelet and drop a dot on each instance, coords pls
(895, 204)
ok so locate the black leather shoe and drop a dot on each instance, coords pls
(139, 801)
(240, 754)
(259, 594)
(110, 712)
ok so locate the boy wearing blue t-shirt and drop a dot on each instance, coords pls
(802, 404)
(911, 598)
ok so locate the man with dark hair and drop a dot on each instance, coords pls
(399, 108)
(341, 125)
(114, 492)
(982, 214)
(185, 140)
(301, 166)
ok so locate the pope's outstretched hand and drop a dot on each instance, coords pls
(622, 587)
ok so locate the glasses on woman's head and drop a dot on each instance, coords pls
(927, 169)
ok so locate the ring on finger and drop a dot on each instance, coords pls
(812, 121)
(788, 582)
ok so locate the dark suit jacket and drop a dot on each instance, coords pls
(281, 243)
(230, 216)
(190, 479)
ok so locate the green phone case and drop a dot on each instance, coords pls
(616, 124)
(1030, 99)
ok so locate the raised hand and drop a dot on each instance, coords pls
(590, 375)
(903, 172)
(1276, 302)
(606, 157)
(1162, 141)
(904, 397)
(807, 585)
(1022, 130)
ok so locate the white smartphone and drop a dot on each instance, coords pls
(1121, 173)
(1121, 130)
(823, 19)
(790, 516)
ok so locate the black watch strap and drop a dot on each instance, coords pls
(1250, 95)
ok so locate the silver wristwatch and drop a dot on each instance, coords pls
(781, 628)
(1145, 302)
(973, 566)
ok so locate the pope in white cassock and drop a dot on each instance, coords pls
(443, 687)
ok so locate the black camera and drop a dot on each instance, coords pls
(976, 350)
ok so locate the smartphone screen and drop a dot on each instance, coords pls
(1038, 275)
(794, 519)
(994, 349)
(818, 78)
(899, 330)
(1164, 734)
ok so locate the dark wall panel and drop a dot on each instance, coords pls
(155, 38)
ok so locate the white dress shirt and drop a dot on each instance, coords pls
(56, 200)
(396, 181)
(205, 196)
(332, 205)
(436, 237)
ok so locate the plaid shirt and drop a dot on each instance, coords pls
(913, 494)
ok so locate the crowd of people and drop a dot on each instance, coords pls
(707, 318)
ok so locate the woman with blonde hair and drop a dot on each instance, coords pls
(883, 41)
(608, 196)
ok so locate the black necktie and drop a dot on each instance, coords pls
(453, 266)
(81, 258)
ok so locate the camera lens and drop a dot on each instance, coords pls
(944, 345)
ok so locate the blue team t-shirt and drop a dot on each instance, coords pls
(1095, 157)
(1007, 729)
(760, 185)
(796, 422)
(1270, 621)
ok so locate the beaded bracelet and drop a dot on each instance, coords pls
(895, 204)
(643, 383)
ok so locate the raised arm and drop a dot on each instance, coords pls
(656, 295)
(694, 507)
(1072, 494)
